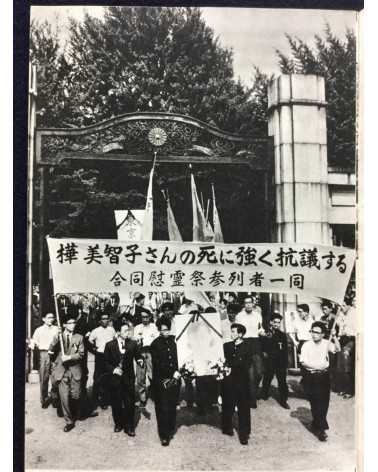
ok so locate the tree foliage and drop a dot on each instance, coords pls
(167, 59)
(144, 59)
(335, 60)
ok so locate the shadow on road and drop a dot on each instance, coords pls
(296, 388)
(190, 417)
(303, 414)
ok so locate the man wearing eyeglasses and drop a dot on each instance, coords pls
(314, 359)
(67, 370)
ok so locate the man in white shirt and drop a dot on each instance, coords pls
(144, 334)
(301, 326)
(42, 338)
(250, 317)
(314, 359)
(346, 358)
(98, 339)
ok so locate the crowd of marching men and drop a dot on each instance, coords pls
(135, 358)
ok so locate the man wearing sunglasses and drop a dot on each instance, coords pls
(314, 359)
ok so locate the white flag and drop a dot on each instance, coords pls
(148, 223)
(218, 235)
(200, 230)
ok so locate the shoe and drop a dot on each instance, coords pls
(253, 405)
(285, 405)
(244, 441)
(130, 432)
(68, 427)
(104, 407)
(228, 432)
(165, 442)
(322, 436)
(346, 396)
(54, 403)
(117, 428)
(45, 404)
(59, 412)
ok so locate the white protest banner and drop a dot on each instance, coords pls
(98, 265)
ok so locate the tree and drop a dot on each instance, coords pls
(150, 59)
(52, 74)
(335, 60)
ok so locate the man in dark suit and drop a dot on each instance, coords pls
(165, 380)
(119, 355)
(235, 387)
(274, 346)
(67, 370)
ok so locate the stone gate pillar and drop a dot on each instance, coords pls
(297, 122)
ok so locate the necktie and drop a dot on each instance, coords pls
(67, 342)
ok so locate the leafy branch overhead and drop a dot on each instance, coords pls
(168, 59)
(335, 60)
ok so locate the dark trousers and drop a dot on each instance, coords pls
(345, 365)
(317, 387)
(206, 391)
(122, 399)
(100, 392)
(236, 393)
(271, 370)
(69, 393)
(165, 408)
(44, 375)
(255, 373)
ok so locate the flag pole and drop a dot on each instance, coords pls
(59, 324)
(32, 94)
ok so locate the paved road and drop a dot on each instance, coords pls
(280, 440)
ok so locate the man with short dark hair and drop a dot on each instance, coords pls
(302, 326)
(135, 312)
(42, 338)
(119, 356)
(165, 380)
(250, 317)
(235, 387)
(144, 334)
(275, 360)
(316, 379)
(67, 370)
(98, 338)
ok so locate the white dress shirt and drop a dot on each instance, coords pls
(302, 328)
(147, 333)
(44, 335)
(100, 336)
(347, 322)
(252, 322)
(315, 355)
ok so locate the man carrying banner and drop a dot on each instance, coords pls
(67, 370)
(235, 387)
(165, 380)
(251, 319)
(119, 356)
(314, 359)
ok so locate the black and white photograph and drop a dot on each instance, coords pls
(193, 293)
